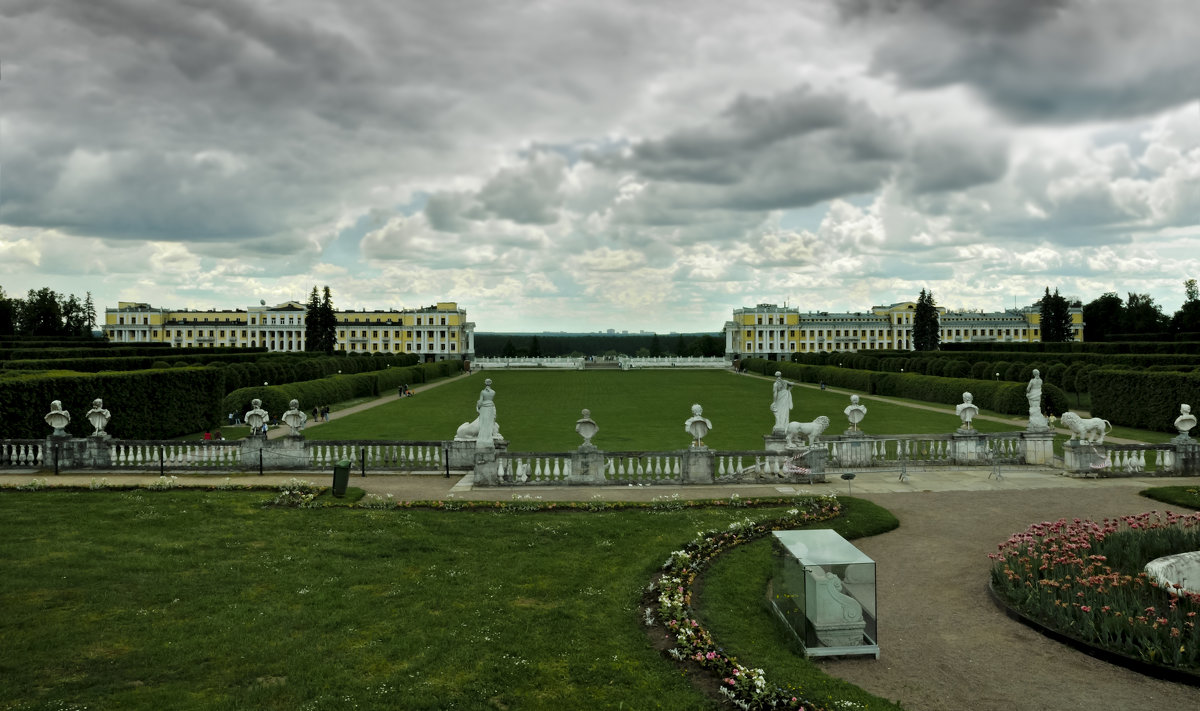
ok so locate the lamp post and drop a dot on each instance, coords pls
(997, 377)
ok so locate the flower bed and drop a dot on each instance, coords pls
(1085, 580)
(670, 598)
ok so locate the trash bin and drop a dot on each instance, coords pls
(341, 477)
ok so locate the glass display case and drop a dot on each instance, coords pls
(823, 589)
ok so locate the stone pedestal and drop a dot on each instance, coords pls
(1082, 459)
(66, 451)
(587, 467)
(697, 466)
(775, 442)
(836, 617)
(487, 467)
(1039, 447)
(461, 453)
(97, 453)
(814, 461)
(854, 449)
(969, 447)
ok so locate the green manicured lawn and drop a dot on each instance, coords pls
(1188, 496)
(204, 600)
(636, 410)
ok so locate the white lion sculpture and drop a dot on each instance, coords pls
(1089, 431)
(812, 430)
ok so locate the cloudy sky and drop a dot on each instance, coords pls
(576, 165)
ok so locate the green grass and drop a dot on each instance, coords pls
(204, 600)
(636, 410)
(732, 604)
(1188, 496)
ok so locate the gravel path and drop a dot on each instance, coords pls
(946, 645)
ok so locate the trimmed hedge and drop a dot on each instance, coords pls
(1004, 397)
(1147, 400)
(114, 351)
(335, 388)
(144, 404)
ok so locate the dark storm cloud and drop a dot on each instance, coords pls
(1065, 61)
(790, 150)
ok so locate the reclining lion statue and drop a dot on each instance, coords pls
(812, 430)
(1089, 431)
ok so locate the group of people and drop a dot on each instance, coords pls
(320, 414)
(403, 391)
(214, 435)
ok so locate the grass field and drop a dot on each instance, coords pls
(636, 410)
(204, 600)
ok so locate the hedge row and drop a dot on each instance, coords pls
(1144, 399)
(337, 388)
(144, 404)
(61, 351)
(283, 369)
(1003, 397)
(95, 365)
(1103, 347)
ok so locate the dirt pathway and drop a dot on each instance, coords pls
(947, 646)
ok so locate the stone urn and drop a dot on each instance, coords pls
(586, 428)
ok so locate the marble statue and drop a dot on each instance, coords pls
(811, 430)
(58, 418)
(855, 412)
(586, 428)
(1185, 422)
(295, 418)
(484, 431)
(697, 426)
(781, 403)
(98, 417)
(1033, 393)
(1087, 431)
(256, 417)
(966, 411)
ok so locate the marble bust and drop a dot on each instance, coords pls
(295, 418)
(966, 411)
(256, 417)
(697, 426)
(587, 428)
(855, 412)
(1185, 422)
(58, 418)
(98, 417)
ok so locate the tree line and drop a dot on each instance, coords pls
(502, 345)
(45, 312)
(1137, 317)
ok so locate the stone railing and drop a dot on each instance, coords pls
(564, 363)
(100, 453)
(1175, 458)
(628, 363)
(689, 466)
(959, 449)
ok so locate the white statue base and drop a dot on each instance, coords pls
(1182, 569)
(969, 447)
(1085, 460)
(775, 442)
(853, 450)
(1039, 447)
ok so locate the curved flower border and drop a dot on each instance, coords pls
(671, 597)
(1057, 575)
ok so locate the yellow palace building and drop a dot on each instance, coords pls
(776, 332)
(434, 332)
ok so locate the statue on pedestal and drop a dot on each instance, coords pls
(586, 428)
(98, 417)
(295, 418)
(855, 413)
(781, 403)
(697, 426)
(966, 411)
(1033, 392)
(1185, 422)
(58, 418)
(257, 418)
(483, 430)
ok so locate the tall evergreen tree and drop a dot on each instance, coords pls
(1056, 318)
(41, 314)
(312, 322)
(535, 348)
(328, 320)
(926, 330)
